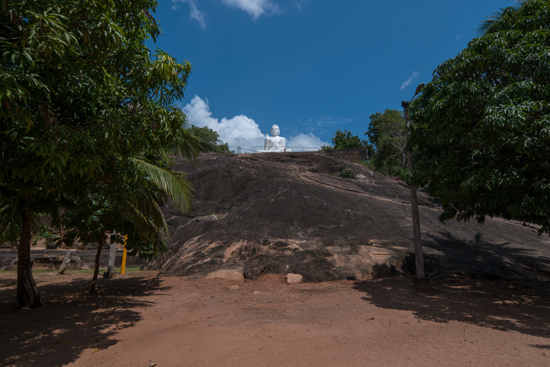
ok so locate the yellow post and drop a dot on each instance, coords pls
(123, 265)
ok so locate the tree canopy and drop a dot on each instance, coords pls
(388, 135)
(481, 128)
(87, 110)
(345, 140)
(209, 140)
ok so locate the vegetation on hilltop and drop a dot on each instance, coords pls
(388, 136)
(209, 141)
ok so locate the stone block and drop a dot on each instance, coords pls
(294, 278)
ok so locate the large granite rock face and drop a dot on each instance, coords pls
(290, 213)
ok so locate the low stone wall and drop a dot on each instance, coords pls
(352, 155)
(51, 259)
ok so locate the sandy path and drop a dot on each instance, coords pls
(140, 320)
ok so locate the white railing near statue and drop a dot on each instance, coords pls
(289, 148)
(260, 149)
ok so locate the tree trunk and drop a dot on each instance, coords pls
(97, 258)
(27, 292)
(417, 237)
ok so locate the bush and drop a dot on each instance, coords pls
(346, 173)
(387, 168)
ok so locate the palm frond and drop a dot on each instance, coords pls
(10, 220)
(148, 208)
(172, 183)
(487, 23)
(146, 226)
(187, 147)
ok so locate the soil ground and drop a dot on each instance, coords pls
(142, 320)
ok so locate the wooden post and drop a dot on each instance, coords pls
(66, 261)
(123, 265)
(419, 256)
(112, 254)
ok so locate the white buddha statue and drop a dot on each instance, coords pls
(275, 143)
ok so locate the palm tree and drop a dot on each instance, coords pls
(130, 207)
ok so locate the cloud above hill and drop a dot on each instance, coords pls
(194, 11)
(409, 81)
(255, 8)
(241, 130)
(305, 142)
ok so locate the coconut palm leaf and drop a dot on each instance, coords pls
(487, 23)
(146, 226)
(188, 147)
(10, 220)
(172, 183)
(148, 213)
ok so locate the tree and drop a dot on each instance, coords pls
(82, 97)
(481, 128)
(209, 140)
(345, 140)
(129, 207)
(486, 24)
(388, 134)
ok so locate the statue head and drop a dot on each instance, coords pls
(275, 130)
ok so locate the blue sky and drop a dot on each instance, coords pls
(309, 66)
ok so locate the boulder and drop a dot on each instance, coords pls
(294, 278)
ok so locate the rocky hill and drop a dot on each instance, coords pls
(296, 213)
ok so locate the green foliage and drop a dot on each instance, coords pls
(345, 140)
(481, 128)
(209, 140)
(40, 231)
(387, 168)
(87, 112)
(388, 135)
(130, 208)
(498, 15)
(346, 173)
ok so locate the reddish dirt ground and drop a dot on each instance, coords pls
(142, 320)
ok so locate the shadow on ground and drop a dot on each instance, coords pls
(520, 306)
(71, 321)
(481, 259)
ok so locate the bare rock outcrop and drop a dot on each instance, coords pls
(291, 213)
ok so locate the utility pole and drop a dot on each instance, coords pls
(417, 238)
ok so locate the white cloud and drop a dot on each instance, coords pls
(305, 142)
(255, 8)
(241, 130)
(194, 12)
(409, 81)
(237, 131)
